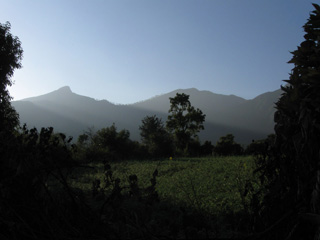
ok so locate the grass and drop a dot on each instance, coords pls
(213, 185)
(201, 195)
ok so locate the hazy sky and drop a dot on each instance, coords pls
(127, 51)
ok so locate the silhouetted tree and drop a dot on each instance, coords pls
(194, 147)
(226, 146)
(291, 206)
(10, 59)
(207, 148)
(107, 144)
(155, 137)
(83, 139)
(260, 147)
(184, 121)
(114, 144)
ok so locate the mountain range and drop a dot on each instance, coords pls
(74, 114)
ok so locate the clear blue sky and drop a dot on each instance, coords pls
(127, 51)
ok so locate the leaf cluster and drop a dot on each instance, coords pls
(107, 144)
(10, 59)
(184, 121)
(155, 137)
(226, 146)
(33, 185)
(290, 169)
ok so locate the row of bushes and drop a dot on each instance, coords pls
(110, 144)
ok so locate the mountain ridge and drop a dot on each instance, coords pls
(73, 114)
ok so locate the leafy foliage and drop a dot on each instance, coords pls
(107, 144)
(184, 120)
(206, 149)
(226, 146)
(260, 147)
(33, 184)
(291, 169)
(10, 59)
(155, 137)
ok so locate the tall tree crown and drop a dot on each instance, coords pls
(10, 59)
(10, 56)
(184, 120)
(293, 167)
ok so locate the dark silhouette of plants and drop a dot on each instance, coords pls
(184, 121)
(130, 209)
(36, 201)
(226, 146)
(260, 147)
(35, 193)
(10, 59)
(206, 149)
(106, 144)
(194, 147)
(113, 143)
(291, 170)
(155, 137)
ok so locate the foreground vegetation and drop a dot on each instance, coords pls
(209, 190)
(213, 185)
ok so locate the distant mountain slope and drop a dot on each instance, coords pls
(256, 115)
(209, 102)
(72, 113)
(246, 119)
(36, 116)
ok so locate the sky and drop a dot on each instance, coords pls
(126, 51)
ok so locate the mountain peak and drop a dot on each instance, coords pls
(71, 113)
(65, 89)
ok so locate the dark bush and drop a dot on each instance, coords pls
(226, 146)
(108, 144)
(291, 171)
(155, 137)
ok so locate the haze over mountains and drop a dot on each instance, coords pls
(73, 114)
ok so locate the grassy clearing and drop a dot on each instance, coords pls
(200, 196)
(212, 185)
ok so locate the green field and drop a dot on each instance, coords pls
(211, 186)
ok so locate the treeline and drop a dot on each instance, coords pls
(111, 144)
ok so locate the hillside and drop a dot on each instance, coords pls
(72, 114)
